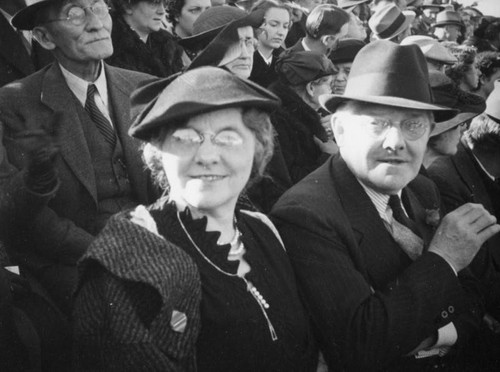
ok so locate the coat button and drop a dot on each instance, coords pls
(444, 314)
(451, 309)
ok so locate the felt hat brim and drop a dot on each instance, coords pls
(331, 102)
(25, 19)
(409, 18)
(452, 123)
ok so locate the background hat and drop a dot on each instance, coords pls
(448, 17)
(493, 102)
(431, 48)
(396, 76)
(195, 92)
(214, 52)
(431, 4)
(25, 18)
(346, 50)
(209, 24)
(446, 93)
(389, 21)
(349, 4)
(295, 68)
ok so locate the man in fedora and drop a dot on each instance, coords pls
(390, 23)
(382, 276)
(99, 166)
(436, 55)
(448, 26)
(325, 26)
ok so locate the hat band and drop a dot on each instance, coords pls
(398, 22)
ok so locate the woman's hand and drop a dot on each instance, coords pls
(329, 147)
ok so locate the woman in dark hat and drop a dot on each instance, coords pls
(270, 38)
(208, 136)
(304, 142)
(233, 47)
(139, 41)
(446, 135)
(342, 59)
(464, 72)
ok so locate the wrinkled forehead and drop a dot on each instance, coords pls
(383, 111)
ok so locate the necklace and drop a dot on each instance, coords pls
(261, 301)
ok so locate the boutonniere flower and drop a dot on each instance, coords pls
(140, 216)
(432, 217)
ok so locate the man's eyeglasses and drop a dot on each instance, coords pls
(77, 16)
(411, 129)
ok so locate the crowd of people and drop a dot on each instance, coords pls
(250, 185)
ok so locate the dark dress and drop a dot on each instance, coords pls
(235, 335)
(262, 73)
(160, 55)
(296, 124)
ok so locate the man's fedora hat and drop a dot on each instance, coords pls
(25, 19)
(493, 103)
(350, 4)
(431, 48)
(389, 21)
(396, 76)
(302, 67)
(446, 93)
(210, 23)
(205, 89)
(214, 52)
(448, 17)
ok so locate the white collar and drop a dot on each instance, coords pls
(306, 48)
(269, 60)
(79, 86)
(381, 203)
(483, 168)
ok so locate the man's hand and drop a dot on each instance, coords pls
(461, 234)
(327, 125)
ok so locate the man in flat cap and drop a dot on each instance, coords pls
(384, 279)
(99, 167)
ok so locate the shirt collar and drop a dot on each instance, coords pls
(306, 48)
(269, 60)
(79, 86)
(483, 168)
(381, 203)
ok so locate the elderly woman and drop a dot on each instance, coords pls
(303, 77)
(446, 135)
(233, 48)
(270, 38)
(208, 136)
(342, 59)
(139, 41)
(464, 72)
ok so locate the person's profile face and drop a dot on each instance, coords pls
(146, 16)
(376, 148)
(242, 63)
(340, 79)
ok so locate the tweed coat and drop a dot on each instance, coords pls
(369, 303)
(15, 62)
(132, 283)
(59, 234)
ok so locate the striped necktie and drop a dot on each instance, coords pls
(404, 230)
(98, 118)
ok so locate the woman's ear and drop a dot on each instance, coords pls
(310, 89)
(44, 37)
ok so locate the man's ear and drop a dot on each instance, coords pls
(44, 37)
(310, 89)
(325, 39)
(338, 129)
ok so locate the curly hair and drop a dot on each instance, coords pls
(256, 120)
(488, 63)
(173, 9)
(466, 56)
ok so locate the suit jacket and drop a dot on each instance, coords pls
(460, 181)
(15, 62)
(370, 304)
(30, 103)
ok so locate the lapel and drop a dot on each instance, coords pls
(56, 95)
(417, 212)
(383, 258)
(120, 88)
(467, 170)
(13, 49)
